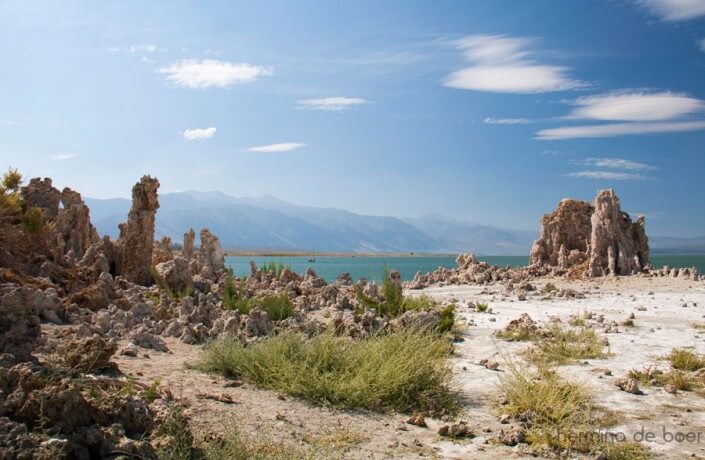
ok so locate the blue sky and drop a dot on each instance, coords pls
(484, 111)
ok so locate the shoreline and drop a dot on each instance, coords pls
(238, 253)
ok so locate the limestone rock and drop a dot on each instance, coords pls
(19, 322)
(618, 246)
(174, 273)
(40, 193)
(211, 260)
(73, 225)
(596, 239)
(564, 232)
(137, 235)
(162, 251)
(187, 251)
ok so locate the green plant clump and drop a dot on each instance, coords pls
(404, 371)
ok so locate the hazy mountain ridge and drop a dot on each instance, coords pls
(267, 223)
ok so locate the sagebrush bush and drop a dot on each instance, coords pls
(404, 371)
(561, 415)
(686, 360)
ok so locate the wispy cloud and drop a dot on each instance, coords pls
(615, 163)
(501, 64)
(199, 133)
(63, 156)
(507, 121)
(142, 48)
(206, 73)
(332, 104)
(701, 44)
(275, 148)
(630, 105)
(618, 129)
(675, 10)
(607, 175)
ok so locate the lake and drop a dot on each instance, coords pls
(372, 267)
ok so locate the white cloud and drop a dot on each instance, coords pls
(333, 104)
(507, 121)
(676, 10)
(274, 148)
(194, 73)
(142, 48)
(618, 129)
(615, 163)
(199, 133)
(607, 175)
(629, 105)
(501, 64)
(63, 156)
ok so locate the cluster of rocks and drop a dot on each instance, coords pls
(134, 291)
(579, 239)
(596, 238)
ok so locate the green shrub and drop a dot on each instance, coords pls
(278, 307)
(12, 179)
(561, 415)
(175, 427)
(686, 360)
(482, 307)
(560, 344)
(33, 220)
(447, 322)
(404, 371)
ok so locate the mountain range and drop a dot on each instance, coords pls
(270, 224)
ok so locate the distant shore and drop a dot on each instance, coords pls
(240, 253)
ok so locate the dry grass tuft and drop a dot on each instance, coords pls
(405, 371)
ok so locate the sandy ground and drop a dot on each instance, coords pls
(665, 311)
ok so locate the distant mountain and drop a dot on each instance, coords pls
(670, 245)
(267, 223)
(457, 236)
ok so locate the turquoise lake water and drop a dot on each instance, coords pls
(372, 267)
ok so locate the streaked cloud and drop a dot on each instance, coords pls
(629, 105)
(199, 133)
(615, 163)
(207, 73)
(701, 44)
(618, 129)
(675, 10)
(275, 148)
(142, 48)
(332, 104)
(502, 64)
(507, 121)
(607, 175)
(63, 156)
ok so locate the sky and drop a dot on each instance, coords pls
(487, 111)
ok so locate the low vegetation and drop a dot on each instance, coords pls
(274, 267)
(12, 206)
(684, 359)
(482, 307)
(684, 374)
(405, 371)
(556, 343)
(395, 303)
(561, 416)
(278, 306)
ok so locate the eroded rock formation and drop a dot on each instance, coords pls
(597, 239)
(137, 235)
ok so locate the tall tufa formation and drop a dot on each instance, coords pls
(618, 246)
(137, 235)
(597, 239)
